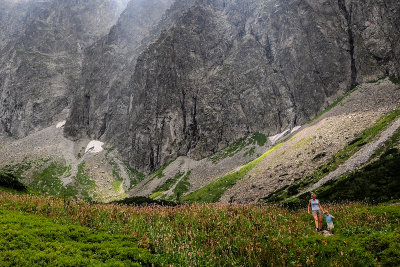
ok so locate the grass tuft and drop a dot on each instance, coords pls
(169, 183)
(134, 176)
(394, 79)
(10, 182)
(30, 240)
(85, 185)
(159, 173)
(181, 187)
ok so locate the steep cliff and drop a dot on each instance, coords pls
(187, 77)
(12, 15)
(42, 61)
(102, 100)
(227, 69)
(102, 103)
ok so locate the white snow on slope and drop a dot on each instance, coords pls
(295, 129)
(61, 124)
(94, 146)
(276, 137)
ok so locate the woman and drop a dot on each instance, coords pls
(317, 212)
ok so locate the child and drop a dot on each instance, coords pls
(329, 221)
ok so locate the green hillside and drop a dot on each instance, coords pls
(31, 240)
(199, 234)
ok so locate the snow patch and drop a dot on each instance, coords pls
(94, 146)
(276, 137)
(61, 124)
(295, 129)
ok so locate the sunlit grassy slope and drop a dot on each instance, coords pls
(213, 191)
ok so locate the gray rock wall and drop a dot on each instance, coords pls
(187, 77)
(102, 100)
(231, 68)
(41, 60)
(376, 31)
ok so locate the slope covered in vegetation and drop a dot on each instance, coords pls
(376, 182)
(37, 241)
(217, 234)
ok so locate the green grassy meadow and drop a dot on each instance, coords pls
(40, 230)
(31, 240)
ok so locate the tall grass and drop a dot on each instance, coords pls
(233, 234)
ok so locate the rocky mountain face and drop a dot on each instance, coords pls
(186, 77)
(103, 102)
(12, 14)
(42, 45)
(227, 68)
(102, 98)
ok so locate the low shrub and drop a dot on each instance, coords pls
(144, 201)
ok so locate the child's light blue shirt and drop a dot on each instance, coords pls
(328, 218)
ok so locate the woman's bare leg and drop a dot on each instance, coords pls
(320, 222)
(316, 221)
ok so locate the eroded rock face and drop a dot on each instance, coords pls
(227, 69)
(376, 34)
(189, 77)
(230, 68)
(12, 15)
(102, 99)
(41, 60)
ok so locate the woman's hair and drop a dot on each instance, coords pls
(313, 194)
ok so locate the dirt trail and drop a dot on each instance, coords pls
(358, 159)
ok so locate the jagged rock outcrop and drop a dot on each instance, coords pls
(228, 69)
(102, 104)
(375, 35)
(41, 61)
